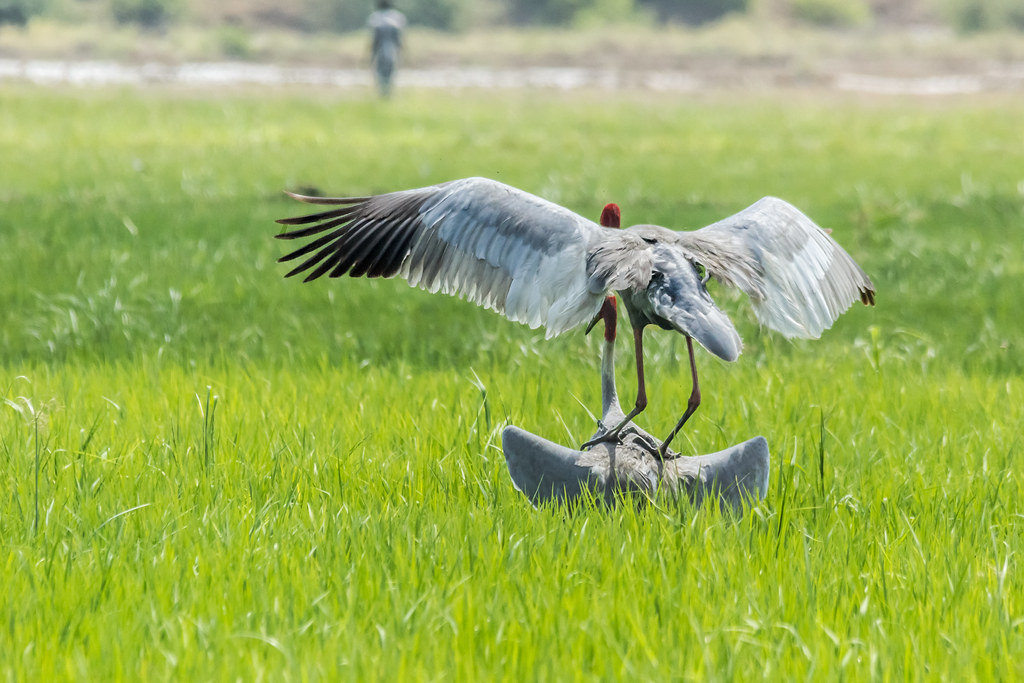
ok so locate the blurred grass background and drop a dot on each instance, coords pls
(807, 36)
(214, 473)
(932, 195)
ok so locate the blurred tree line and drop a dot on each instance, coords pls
(456, 15)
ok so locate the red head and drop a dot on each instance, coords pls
(611, 217)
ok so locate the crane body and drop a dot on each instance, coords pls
(543, 265)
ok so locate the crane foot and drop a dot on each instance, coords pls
(614, 436)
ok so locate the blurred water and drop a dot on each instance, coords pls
(928, 85)
(235, 73)
(86, 73)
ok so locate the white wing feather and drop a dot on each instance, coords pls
(799, 279)
(495, 245)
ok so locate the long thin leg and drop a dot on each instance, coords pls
(641, 385)
(691, 405)
(641, 393)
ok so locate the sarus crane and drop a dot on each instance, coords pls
(541, 264)
(613, 419)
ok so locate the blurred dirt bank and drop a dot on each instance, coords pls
(732, 56)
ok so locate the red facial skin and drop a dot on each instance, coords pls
(609, 315)
(611, 217)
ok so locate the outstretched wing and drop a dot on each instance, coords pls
(797, 277)
(490, 243)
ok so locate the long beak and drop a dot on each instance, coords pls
(715, 332)
(687, 307)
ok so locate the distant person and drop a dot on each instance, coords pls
(387, 24)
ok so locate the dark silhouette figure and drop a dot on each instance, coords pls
(387, 24)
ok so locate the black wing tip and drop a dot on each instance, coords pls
(350, 205)
(306, 194)
(307, 198)
(304, 267)
(294, 271)
(318, 199)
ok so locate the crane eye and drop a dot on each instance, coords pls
(702, 272)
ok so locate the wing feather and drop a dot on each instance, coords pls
(311, 246)
(475, 238)
(799, 279)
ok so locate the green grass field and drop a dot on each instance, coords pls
(212, 473)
